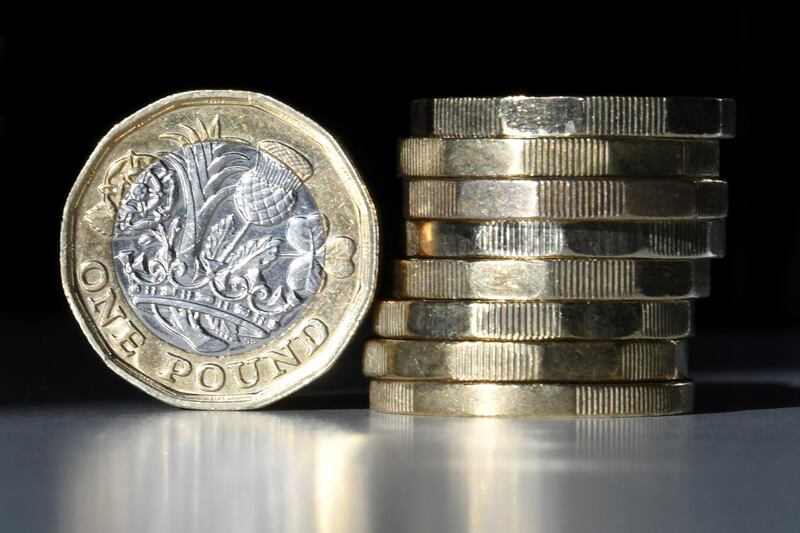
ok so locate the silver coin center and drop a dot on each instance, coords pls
(219, 246)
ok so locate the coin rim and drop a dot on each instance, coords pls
(436, 157)
(445, 352)
(467, 406)
(465, 203)
(422, 121)
(410, 273)
(416, 245)
(386, 310)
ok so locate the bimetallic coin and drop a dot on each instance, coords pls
(562, 361)
(531, 399)
(561, 238)
(565, 116)
(551, 279)
(579, 157)
(575, 199)
(218, 250)
(530, 321)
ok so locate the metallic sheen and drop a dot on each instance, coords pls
(565, 116)
(562, 238)
(565, 157)
(566, 361)
(476, 320)
(210, 225)
(219, 250)
(531, 399)
(551, 279)
(573, 199)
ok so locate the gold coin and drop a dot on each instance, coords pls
(575, 199)
(573, 157)
(532, 399)
(567, 116)
(551, 279)
(530, 321)
(563, 361)
(218, 250)
(562, 238)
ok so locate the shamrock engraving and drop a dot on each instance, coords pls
(308, 235)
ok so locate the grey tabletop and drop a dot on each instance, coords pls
(142, 467)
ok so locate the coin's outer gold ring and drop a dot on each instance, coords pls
(566, 199)
(570, 116)
(551, 279)
(560, 361)
(665, 239)
(532, 321)
(532, 399)
(558, 157)
(330, 319)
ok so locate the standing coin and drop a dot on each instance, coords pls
(573, 157)
(575, 199)
(551, 279)
(531, 399)
(529, 321)
(564, 116)
(563, 238)
(218, 250)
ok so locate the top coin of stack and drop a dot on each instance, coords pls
(555, 245)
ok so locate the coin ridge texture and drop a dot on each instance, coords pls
(551, 279)
(564, 361)
(218, 250)
(573, 199)
(557, 116)
(532, 399)
(563, 238)
(480, 320)
(554, 157)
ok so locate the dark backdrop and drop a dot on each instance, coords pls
(63, 87)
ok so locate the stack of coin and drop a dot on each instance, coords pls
(555, 245)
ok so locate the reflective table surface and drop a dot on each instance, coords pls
(142, 467)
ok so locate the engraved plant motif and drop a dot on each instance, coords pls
(309, 237)
(149, 200)
(182, 244)
(116, 183)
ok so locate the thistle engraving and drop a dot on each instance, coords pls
(218, 244)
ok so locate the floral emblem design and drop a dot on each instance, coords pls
(219, 244)
(149, 199)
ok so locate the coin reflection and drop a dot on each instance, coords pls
(352, 471)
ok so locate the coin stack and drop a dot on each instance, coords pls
(555, 245)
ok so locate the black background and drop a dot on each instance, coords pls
(63, 87)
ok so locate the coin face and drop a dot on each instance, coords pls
(219, 250)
